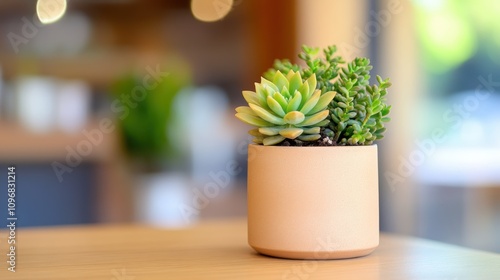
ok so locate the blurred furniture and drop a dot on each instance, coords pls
(459, 196)
(18, 144)
(96, 189)
(219, 250)
(114, 38)
(462, 215)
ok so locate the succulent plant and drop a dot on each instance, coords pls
(285, 107)
(359, 110)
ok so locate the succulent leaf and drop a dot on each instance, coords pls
(295, 82)
(285, 93)
(323, 101)
(252, 120)
(294, 117)
(271, 131)
(314, 119)
(257, 140)
(255, 132)
(280, 81)
(291, 133)
(275, 106)
(268, 83)
(323, 123)
(246, 110)
(312, 84)
(259, 90)
(311, 102)
(266, 115)
(312, 130)
(273, 140)
(304, 91)
(251, 97)
(294, 103)
(281, 100)
(310, 137)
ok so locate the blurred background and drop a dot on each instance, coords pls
(122, 110)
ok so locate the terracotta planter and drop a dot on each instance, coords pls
(313, 202)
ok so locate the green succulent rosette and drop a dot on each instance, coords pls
(285, 107)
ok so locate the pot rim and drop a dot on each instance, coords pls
(312, 147)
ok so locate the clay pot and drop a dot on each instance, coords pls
(313, 202)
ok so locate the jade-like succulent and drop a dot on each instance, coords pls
(359, 110)
(285, 107)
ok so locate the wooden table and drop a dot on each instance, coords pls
(218, 250)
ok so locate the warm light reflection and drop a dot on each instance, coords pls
(210, 10)
(50, 11)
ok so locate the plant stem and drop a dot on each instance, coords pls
(337, 136)
(366, 119)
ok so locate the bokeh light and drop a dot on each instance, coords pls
(210, 10)
(446, 35)
(50, 11)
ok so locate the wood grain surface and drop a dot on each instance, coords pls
(219, 250)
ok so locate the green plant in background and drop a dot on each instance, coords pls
(359, 110)
(285, 107)
(143, 123)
